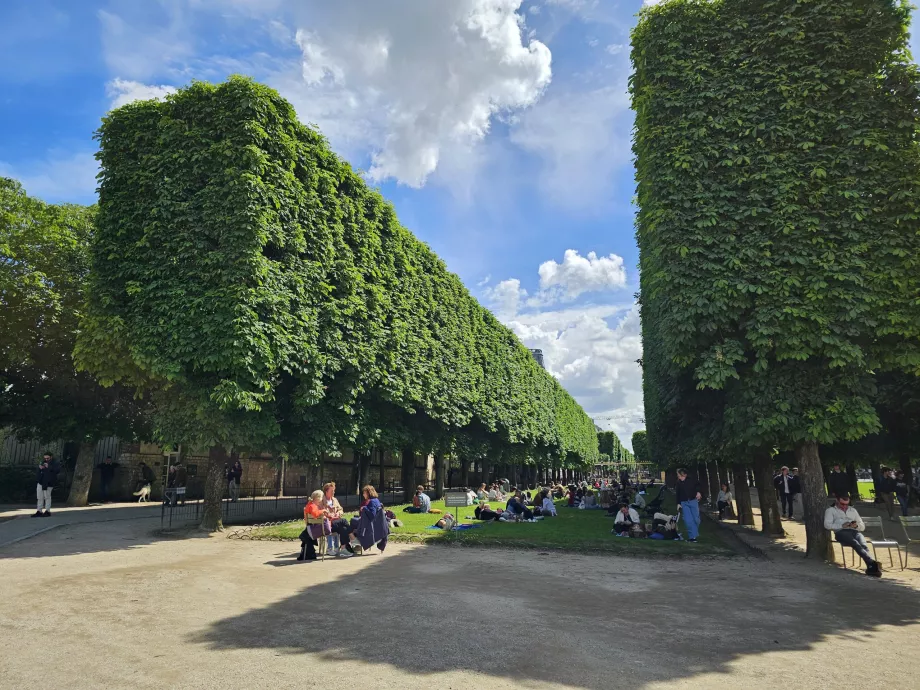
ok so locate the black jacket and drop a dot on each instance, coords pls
(888, 485)
(147, 474)
(794, 486)
(687, 490)
(47, 475)
(107, 471)
(838, 483)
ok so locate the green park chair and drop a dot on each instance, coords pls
(906, 524)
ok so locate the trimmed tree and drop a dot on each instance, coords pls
(778, 224)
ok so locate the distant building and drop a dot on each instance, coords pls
(538, 355)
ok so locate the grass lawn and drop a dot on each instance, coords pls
(572, 530)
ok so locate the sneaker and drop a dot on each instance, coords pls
(874, 570)
(47, 513)
(345, 554)
(350, 549)
(692, 541)
(38, 513)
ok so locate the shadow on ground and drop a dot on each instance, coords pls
(592, 622)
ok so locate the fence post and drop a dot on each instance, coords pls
(253, 493)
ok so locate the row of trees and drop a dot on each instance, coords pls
(779, 236)
(247, 282)
(612, 451)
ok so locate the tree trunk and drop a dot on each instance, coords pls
(82, 475)
(714, 487)
(464, 473)
(381, 485)
(364, 471)
(214, 485)
(743, 495)
(315, 477)
(281, 477)
(876, 468)
(408, 474)
(487, 472)
(814, 501)
(439, 475)
(853, 480)
(771, 523)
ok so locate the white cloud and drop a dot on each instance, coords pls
(578, 274)
(506, 297)
(416, 80)
(583, 138)
(593, 42)
(484, 281)
(59, 177)
(615, 48)
(123, 91)
(142, 49)
(535, 9)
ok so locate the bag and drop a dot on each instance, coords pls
(318, 531)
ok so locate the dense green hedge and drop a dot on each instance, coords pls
(239, 261)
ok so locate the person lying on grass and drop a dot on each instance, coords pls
(517, 511)
(484, 512)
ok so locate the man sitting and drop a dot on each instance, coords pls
(639, 501)
(420, 502)
(845, 523)
(626, 518)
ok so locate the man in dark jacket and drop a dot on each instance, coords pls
(147, 477)
(787, 485)
(688, 498)
(45, 480)
(838, 484)
(887, 488)
(106, 475)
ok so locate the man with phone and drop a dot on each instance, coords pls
(847, 526)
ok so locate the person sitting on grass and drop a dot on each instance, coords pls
(548, 509)
(482, 494)
(639, 500)
(495, 493)
(627, 517)
(420, 502)
(484, 512)
(518, 511)
(590, 500)
(847, 526)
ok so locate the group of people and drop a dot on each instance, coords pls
(521, 506)
(324, 517)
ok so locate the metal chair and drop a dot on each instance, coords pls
(884, 543)
(905, 523)
(331, 541)
(843, 555)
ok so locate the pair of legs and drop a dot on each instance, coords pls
(722, 505)
(622, 528)
(904, 501)
(233, 490)
(889, 503)
(344, 530)
(412, 509)
(690, 513)
(856, 541)
(43, 499)
(486, 514)
(788, 504)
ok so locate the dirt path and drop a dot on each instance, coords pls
(108, 606)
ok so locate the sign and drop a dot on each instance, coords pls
(457, 499)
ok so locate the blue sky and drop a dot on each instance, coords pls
(499, 129)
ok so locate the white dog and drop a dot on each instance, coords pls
(143, 493)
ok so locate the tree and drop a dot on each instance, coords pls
(778, 224)
(274, 301)
(640, 446)
(44, 259)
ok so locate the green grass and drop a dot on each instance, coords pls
(572, 530)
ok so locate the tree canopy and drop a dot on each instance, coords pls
(273, 300)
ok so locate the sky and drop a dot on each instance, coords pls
(499, 129)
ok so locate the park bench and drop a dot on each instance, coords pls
(908, 522)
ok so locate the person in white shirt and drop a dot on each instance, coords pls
(548, 508)
(626, 518)
(845, 523)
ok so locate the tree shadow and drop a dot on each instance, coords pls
(586, 621)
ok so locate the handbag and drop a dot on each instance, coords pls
(318, 529)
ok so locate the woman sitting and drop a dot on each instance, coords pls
(482, 494)
(723, 500)
(313, 510)
(548, 509)
(372, 526)
(334, 512)
(495, 493)
(590, 500)
(484, 512)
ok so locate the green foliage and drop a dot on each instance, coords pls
(44, 260)
(609, 443)
(640, 446)
(274, 300)
(777, 172)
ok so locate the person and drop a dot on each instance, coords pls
(45, 480)
(484, 512)
(334, 512)
(639, 502)
(837, 483)
(887, 488)
(147, 477)
(902, 491)
(237, 478)
(723, 500)
(169, 496)
(548, 509)
(626, 518)
(495, 493)
(788, 486)
(590, 500)
(847, 526)
(181, 481)
(372, 526)
(518, 510)
(688, 498)
(421, 503)
(482, 494)
(106, 475)
(505, 485)
(233, 480)
(313, 509)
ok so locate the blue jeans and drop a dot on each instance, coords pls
(905, 502)
(690, 511)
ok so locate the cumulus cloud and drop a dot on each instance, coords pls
(58, 177)
(505, 298)
(615, 48)
(414, 80)
(579, 274)
(124, 91)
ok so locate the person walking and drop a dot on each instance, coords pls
(106, 475)
(688, 498)
(788, 486)
(237, 470)
(46, 478)
(902, 491)
(887, 488)
(847, 526)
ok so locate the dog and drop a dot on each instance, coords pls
(143, 494)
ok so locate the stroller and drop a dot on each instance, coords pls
(654, 506)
